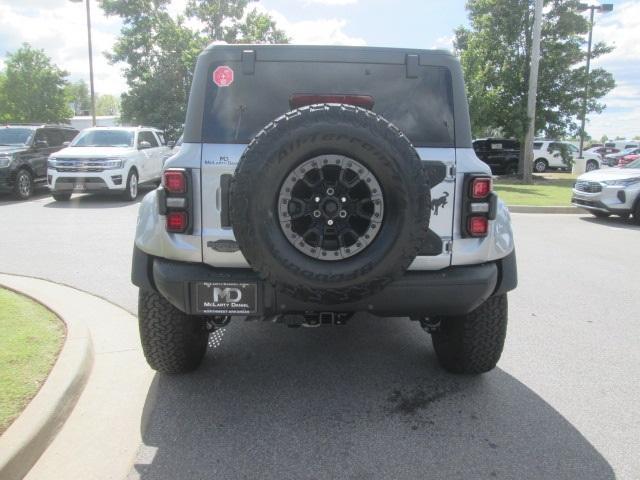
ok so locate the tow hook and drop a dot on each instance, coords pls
(212, 323)
(430, 325)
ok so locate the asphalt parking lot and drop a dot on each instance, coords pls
(367, 400)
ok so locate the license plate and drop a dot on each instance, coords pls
(80, 186)
(226, 298)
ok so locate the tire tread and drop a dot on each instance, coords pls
(172, 341)
(473, 343)
(245, 231)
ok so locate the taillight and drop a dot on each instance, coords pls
(177, 222)
(479, 205)
(175, 181)
(301, 100)
(173, 200)
(478, 226)
(480, 188)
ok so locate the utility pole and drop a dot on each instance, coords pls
(527, 158)
(605, 7)
(93, 96)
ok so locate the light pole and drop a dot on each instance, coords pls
(93, 97)
(582, 7)
(527, 157)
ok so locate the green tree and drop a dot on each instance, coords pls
(495, 54)
(4, 114)
(159, 55)
(604, 139)
(219, 17)
(78, 96)
(260, 28)
(159, 52)
(33, 88)
(107, 105)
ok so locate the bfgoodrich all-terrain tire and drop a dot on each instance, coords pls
(473, 343)
(172, 341)
(329, 203)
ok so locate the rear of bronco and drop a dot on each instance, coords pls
(317, 182)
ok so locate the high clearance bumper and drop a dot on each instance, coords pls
(452, 291)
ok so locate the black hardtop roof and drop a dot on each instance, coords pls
(217, 53)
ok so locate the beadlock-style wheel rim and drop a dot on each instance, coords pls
(330, 207)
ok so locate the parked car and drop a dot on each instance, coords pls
(629, 158)
(610, 191)
(622, 144)
(294, 203)
(547, 155)
(602, 151)
(501, 154)
(613, 158)
(24, 150)
(174, 149)
(108, 159)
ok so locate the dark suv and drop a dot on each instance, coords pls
(501, 154)
(24, 150)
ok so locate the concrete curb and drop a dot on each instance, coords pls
(31, 433)
(535, 209)
(103, 431)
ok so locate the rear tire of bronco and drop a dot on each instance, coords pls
(296, 200)
(473, 343)
(172, 341)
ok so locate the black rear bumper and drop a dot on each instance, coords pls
(452, 291)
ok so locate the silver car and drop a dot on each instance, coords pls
(611, 191)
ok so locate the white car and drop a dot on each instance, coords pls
(611, 191)
(108, 159)
(547, 155)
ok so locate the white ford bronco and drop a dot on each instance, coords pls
(317, 182)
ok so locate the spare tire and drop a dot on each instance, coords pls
(329, 203)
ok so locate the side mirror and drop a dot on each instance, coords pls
(171, 144)
(66, 144)
(42, 144)
(143, 145)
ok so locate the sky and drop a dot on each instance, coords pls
(59, 27)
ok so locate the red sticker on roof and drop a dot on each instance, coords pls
(223, 76)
